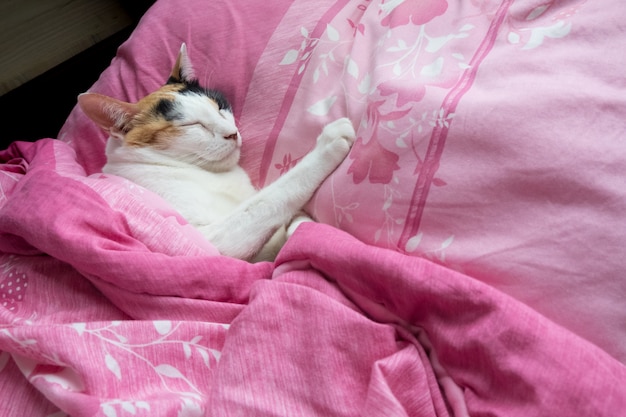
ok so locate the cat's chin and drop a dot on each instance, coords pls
(226, 163)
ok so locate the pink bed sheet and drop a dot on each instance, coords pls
(481, 273)
(490, 133)
(112, 307)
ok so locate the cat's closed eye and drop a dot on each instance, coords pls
(227, 136)
(201, 125)
(189, 124)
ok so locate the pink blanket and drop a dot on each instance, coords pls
(113, 307)
(490, 133)
(471, 261)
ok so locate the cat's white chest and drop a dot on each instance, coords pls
(201, 197)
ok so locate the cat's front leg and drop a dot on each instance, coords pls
(248, 228)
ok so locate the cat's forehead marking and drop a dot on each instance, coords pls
(153, 125)
(161, 102)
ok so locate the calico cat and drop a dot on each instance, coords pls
(182, 143)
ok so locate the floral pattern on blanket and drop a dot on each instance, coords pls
(457, 106)
(123, 311)
(399, 69)
(171, 355)
(539, 25)
(64, 335)
(13, 285)
(341, 75)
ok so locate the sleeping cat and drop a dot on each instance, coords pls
(181, 142)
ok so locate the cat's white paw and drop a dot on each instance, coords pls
(335, 141)
(341, 130)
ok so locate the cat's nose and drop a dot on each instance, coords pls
(232, 136)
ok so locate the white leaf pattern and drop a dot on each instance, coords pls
(113, 366)
(109, 411)
(365, 84)
(190, 409)
(413, 243)
(290, 57)
(435, 44)
(129, 407)
(536, 12)
(387, 203)
(433, 69)
(216, 354)
(447, 242)
(332, 33)
(80, 328)
(514, 38)
(322, 107)
(353, 68)
(163, 326)
(169, 371)
(143, 405)
(559, 30)
(205, 357)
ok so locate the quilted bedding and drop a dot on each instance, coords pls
(468, 258)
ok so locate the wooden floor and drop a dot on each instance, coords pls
(38, 35)
(52, 50)
(39, 108)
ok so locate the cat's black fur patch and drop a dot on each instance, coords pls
(167, 109)
(219, 98)
(194, 87)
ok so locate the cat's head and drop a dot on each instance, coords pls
(180, 120)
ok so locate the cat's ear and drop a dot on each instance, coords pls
(110, 114)
(182, 71)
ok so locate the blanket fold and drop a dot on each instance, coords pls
(109, 231)
(503, 355)
(111, 305)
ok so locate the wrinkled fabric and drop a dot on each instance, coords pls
(112, 306)
(483, 199)
(489, 133)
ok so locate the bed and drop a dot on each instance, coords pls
(468, 255)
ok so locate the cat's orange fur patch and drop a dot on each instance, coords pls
(158, 132)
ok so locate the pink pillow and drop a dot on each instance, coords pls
(489, 133)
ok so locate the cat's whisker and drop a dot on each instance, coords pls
(195, 158)
(208, 76)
